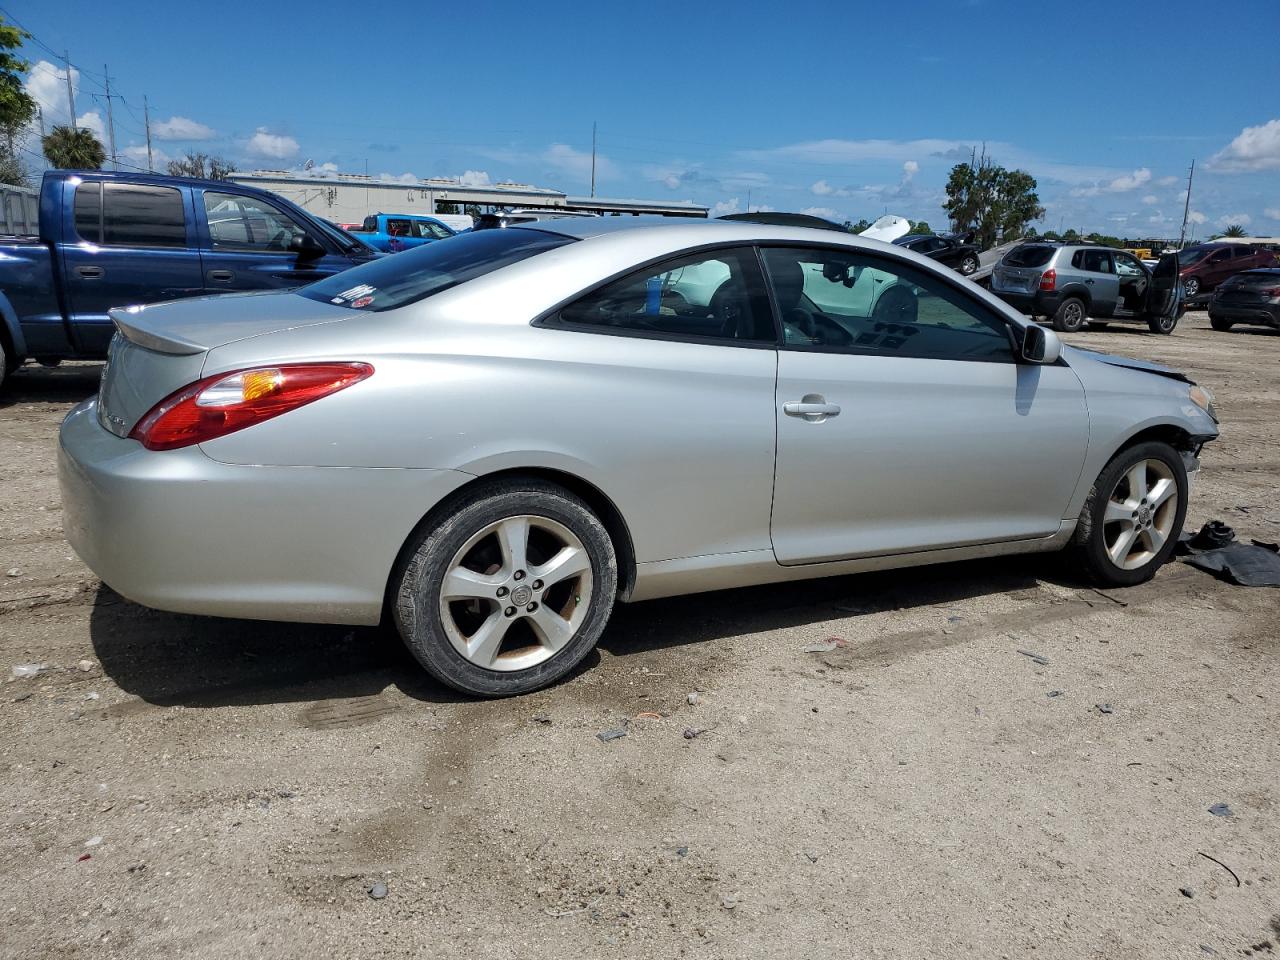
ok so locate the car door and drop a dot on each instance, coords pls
(126, 243)
(1099, 275)
(1164, 293)
(946, 252)
(1217, 268)
(909, 426)
(246, 243)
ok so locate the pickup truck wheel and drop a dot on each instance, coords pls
(1131, 520)
(1070, 315)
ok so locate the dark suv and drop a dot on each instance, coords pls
(1208, 264)
(1073, 282)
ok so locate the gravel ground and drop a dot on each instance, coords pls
(177, 785)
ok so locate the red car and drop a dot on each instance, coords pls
(1206, 265)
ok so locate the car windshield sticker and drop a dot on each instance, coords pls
(363, 292)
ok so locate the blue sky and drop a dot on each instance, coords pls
(846, 109)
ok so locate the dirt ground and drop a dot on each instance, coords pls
(180, 786)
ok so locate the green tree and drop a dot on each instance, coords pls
(16, 106)
(858, 227)
(68, 149)
(919, 228)
(1071, 236)
(993, 202)
(1235, 230)
(201, 166)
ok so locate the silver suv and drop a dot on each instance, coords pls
(1074, 282)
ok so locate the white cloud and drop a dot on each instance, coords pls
(577, 163)
(475, 178)
(1272, 212)
(1150, 199)
(1122, 184)
(47, 86)
(93, 121)
(909, 169)
(1166, 181)
(181, 128)
(1256, 148)
(822, 189)
(399, 178)
(825, 212)
(272, 146)
(1243, 219)
(1195, 216)
(136, 154)
(724, 207)
(671, 181)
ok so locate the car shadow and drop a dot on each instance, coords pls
(171, 659)
(66, 383)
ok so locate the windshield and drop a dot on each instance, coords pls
(418, 273)
(1194, 255)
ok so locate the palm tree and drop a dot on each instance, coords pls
(1235, 230)
(68, 149)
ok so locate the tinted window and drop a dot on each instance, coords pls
(718, 294)
(246, 223)
(398, 228)
(370, 225)
(88, 212)
(1242, 250)
(846, 301)
(1094, 261)
(138, 216)
(1032, 255)
(1194, 255)
(408, 277)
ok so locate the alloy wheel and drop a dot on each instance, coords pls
(1191, 286)
(516, 592)
(968, 265)
(1140, 514)
(1073, 315)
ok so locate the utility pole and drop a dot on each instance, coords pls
(146, 119)
(1186, 208)
(40, 114)
(593, 158)
(748, 199)
(111, 123)
(71, 96)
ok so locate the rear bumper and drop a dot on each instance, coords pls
(178, 531)
(1266, 314)
(1042, 303)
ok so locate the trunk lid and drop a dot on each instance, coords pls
(1251, 287)
(160, 348)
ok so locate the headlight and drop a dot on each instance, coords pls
(1203, 398)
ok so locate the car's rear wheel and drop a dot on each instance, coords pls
(969, 265)
(1191, 287)
(509, 591)
(1162, 324)
(1070, 315)
(1220, 323)
(1131, 520)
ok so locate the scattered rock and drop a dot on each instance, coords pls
(1186, 892)
(542, 718)
(826, 646)
(93, 841)
(729, 901)
(604, 736)
(1104, 708)
(1055, 693)
(682, 851)
(13, 572)
(378, 891)
(690, 733)
(1035, 657)
(86, 666)
(1220, 810)
(454, 781)
(22, 696)
(92, 695)
(693, 699)
(21, 671)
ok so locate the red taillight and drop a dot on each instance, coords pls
(1049, 279)
(227, 402)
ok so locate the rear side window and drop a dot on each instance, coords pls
(416, 274)
(134, 215)
(88, 211)
(1032, 255)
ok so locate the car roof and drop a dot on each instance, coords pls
(697, 229)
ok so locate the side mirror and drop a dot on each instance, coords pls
(1040, 345)
(306, 246)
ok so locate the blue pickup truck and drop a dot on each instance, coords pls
(114, 239)
(392, 232)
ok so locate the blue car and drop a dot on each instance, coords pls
(392, 232)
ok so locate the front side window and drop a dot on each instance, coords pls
(247, 223)
(391, 282)
(842, 300)
(718, 295)
(141, 216)
(430, 230)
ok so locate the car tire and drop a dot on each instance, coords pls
(1123, 535)
(1162, 325)
(969, 265)
(1070, 315)
(1220, 323)
(1191, 287)
(512, 634)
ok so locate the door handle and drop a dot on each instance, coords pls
(812, 408)
(221, 276)
(91, 273)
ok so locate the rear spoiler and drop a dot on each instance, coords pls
(128, 321)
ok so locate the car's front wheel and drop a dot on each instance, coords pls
(509, 591)
(1191, 287)
(969, 265)
(1131, 520)
(1070, 315)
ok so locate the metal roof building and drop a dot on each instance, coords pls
(350, 197)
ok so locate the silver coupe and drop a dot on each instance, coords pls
(492, 439)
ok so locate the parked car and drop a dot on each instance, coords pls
(1072, 282)
(510, 218)
(1250, 297)
(393, 232)
(1206, 265)
(958, 253)
(113, 239)
(536, 422)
